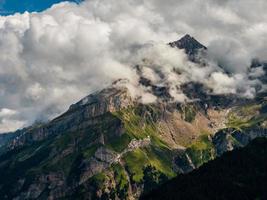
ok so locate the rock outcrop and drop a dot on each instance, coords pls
(229, 139)
(191, 46)
(80, 116)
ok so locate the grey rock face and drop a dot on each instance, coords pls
(105, 155)
(80, 115)
(223, 142)
(108, 100)
(92, 167)
(5, 138)
(191, 46)
(229, 139)
(184, 163)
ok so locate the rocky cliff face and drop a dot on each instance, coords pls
(5, 137)
(230, 139)
(80, 116)
(191, 46)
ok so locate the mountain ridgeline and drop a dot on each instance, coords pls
(111, 146)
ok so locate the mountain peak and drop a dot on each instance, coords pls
(189, 44)
(110, 99)
(187, 37)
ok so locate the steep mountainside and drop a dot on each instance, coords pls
(111, 146)
(241, 174)
(6, 138)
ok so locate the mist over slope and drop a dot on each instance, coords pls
(51, 59)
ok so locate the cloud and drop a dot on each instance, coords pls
(5, 112)
(51, 59)
(7, 120)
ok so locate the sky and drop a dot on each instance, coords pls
(8, 7)
(51, 59)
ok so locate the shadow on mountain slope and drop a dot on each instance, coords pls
(240, 174)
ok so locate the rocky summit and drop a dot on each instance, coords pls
(109, 145)
(190, 45)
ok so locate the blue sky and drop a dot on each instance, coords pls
(8, 7)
